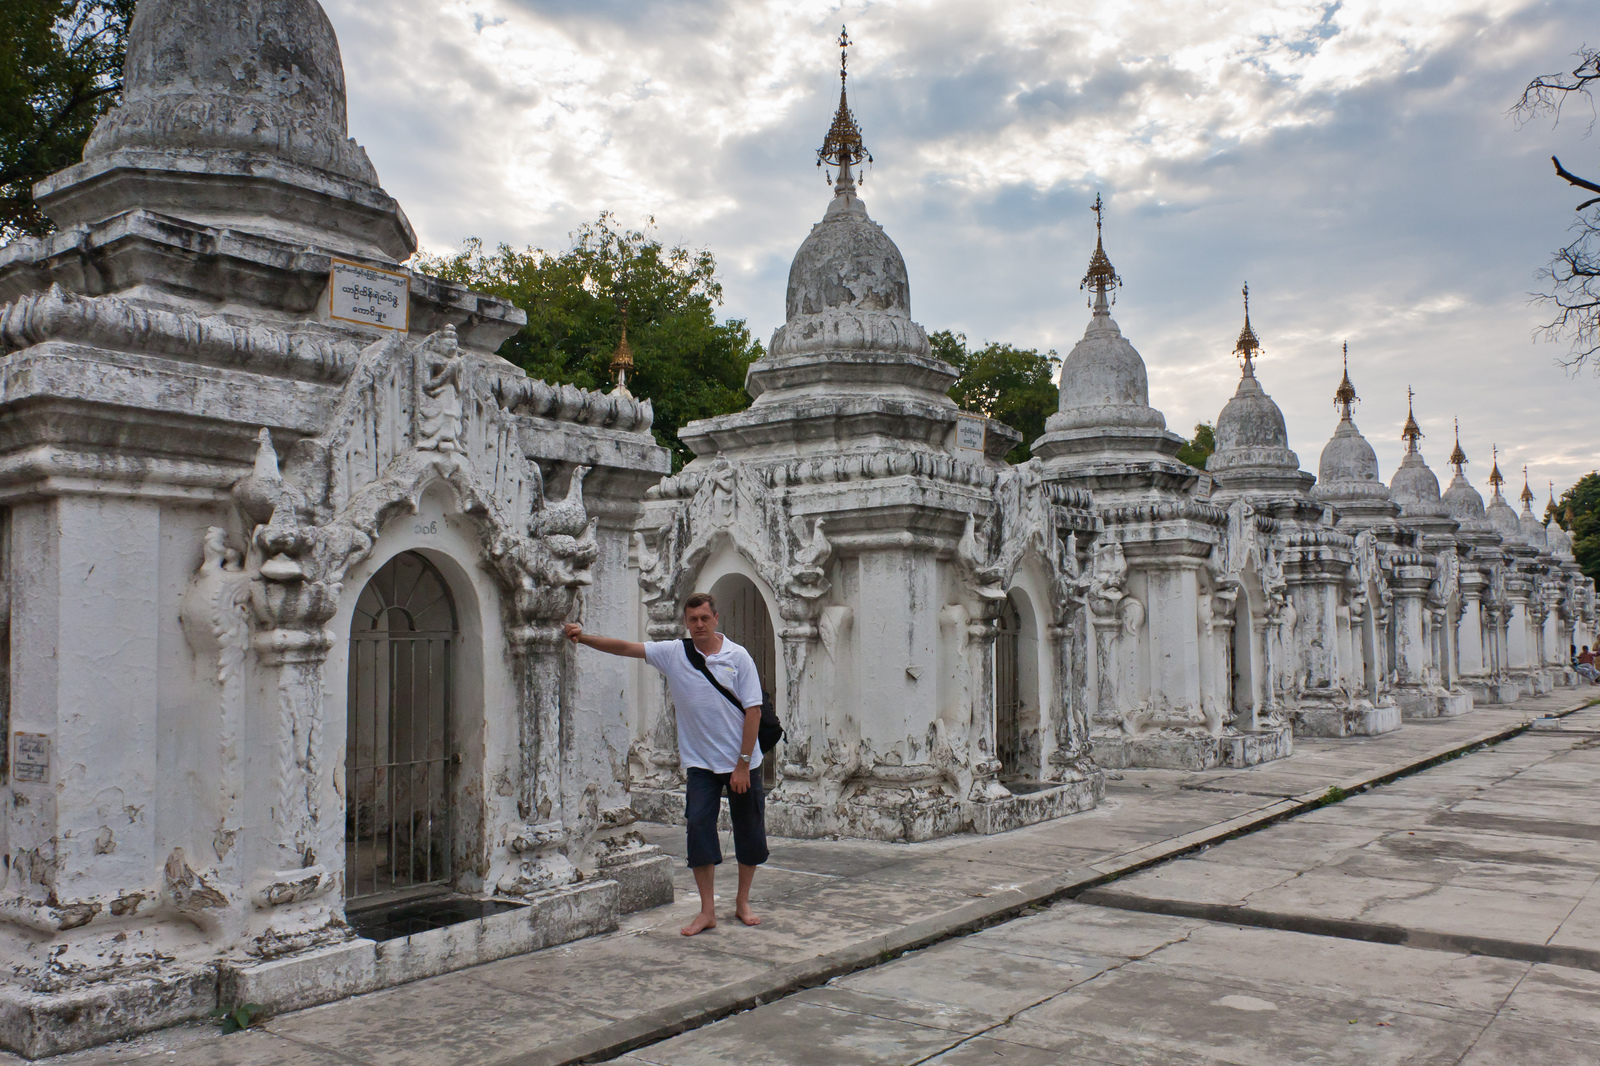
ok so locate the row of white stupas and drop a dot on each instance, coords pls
(283, 647)
(957, 643)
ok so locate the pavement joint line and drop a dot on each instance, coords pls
(662, 1023)
(1347, 929)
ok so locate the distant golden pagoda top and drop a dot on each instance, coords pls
(1496, 478)
(1345, 395)
(622, 358)
(1458, 458)
(1527, 493)
(1248, 349)
(1102, 277)
(1412, 432)
(842, 148)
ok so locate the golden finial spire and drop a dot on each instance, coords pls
(622, 358)
(1102, 277)
(842, 148)
(1496, 478)
(1412, 432)
(1458, 458)
(1345, 395)
(1249, 347)
(1527, 493)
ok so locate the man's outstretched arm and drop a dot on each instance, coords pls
(609, 645)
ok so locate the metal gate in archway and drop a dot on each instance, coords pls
(1008, 690)
(398, 745)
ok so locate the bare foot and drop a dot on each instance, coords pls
(701, 923)
(746, 915)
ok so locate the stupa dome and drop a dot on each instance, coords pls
(242, 75)
(848, 288)
(1533, 530)
(1503, 518)
(1415, 485)
(1559, 541)
(233, 117)
(1463, 501)
(1347, 457)
(1103, 379)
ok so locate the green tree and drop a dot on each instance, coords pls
(1200, 447)
(60, 70)
(1578, 512)
(685, 362)
(1011, 385)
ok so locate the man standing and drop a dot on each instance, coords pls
(718, 724)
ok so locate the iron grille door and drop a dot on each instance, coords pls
(398, 748)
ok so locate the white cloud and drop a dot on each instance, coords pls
(1353, 160)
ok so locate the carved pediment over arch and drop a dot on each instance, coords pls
(411, 414)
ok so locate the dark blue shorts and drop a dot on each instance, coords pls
(747, 810)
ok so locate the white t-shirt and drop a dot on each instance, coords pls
(710, 729)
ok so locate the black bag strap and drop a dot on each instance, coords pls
(698, 661)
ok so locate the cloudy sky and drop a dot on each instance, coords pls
(1352, 160)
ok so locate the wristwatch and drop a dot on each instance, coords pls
(744, 758)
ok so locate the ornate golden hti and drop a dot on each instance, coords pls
(1345, 395)
(1458, 458)
(622, 360)
(842, 148)
(1412, 432)
(1102, 278)
(1248, 349)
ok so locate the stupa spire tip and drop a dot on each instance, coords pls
(1102, 278)
(842, 148)
(1248, 348)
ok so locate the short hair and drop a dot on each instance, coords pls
(700, 599)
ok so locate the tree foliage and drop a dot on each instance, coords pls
(60, 70)
(1011, 385)
(1578, 512)
(685, 362)
(1199, 448)
(1573, 276)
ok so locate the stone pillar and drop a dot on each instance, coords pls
(537, 650)
(1410, 653)
(1316, 636)
(1470, 634)
(985, 763)
(1171, 645)
(1519, 651)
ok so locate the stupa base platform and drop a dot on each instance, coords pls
(1433, 704)
(1349, 720)
(1173, 750)
(893, 815)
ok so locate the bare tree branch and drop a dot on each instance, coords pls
(1547, 93)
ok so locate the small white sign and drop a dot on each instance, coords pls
(369, 296)
(969, 433)
(31, 760)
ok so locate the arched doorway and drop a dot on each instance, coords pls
(1007, 690)
(745, 621)
(1016, 691)
(1246, 697)
(398, 751)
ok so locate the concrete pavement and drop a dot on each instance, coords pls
(1448, 917)
(835, 907)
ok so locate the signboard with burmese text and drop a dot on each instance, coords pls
(969, 433)
(369, 296)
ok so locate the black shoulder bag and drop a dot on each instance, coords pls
(771, 730)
